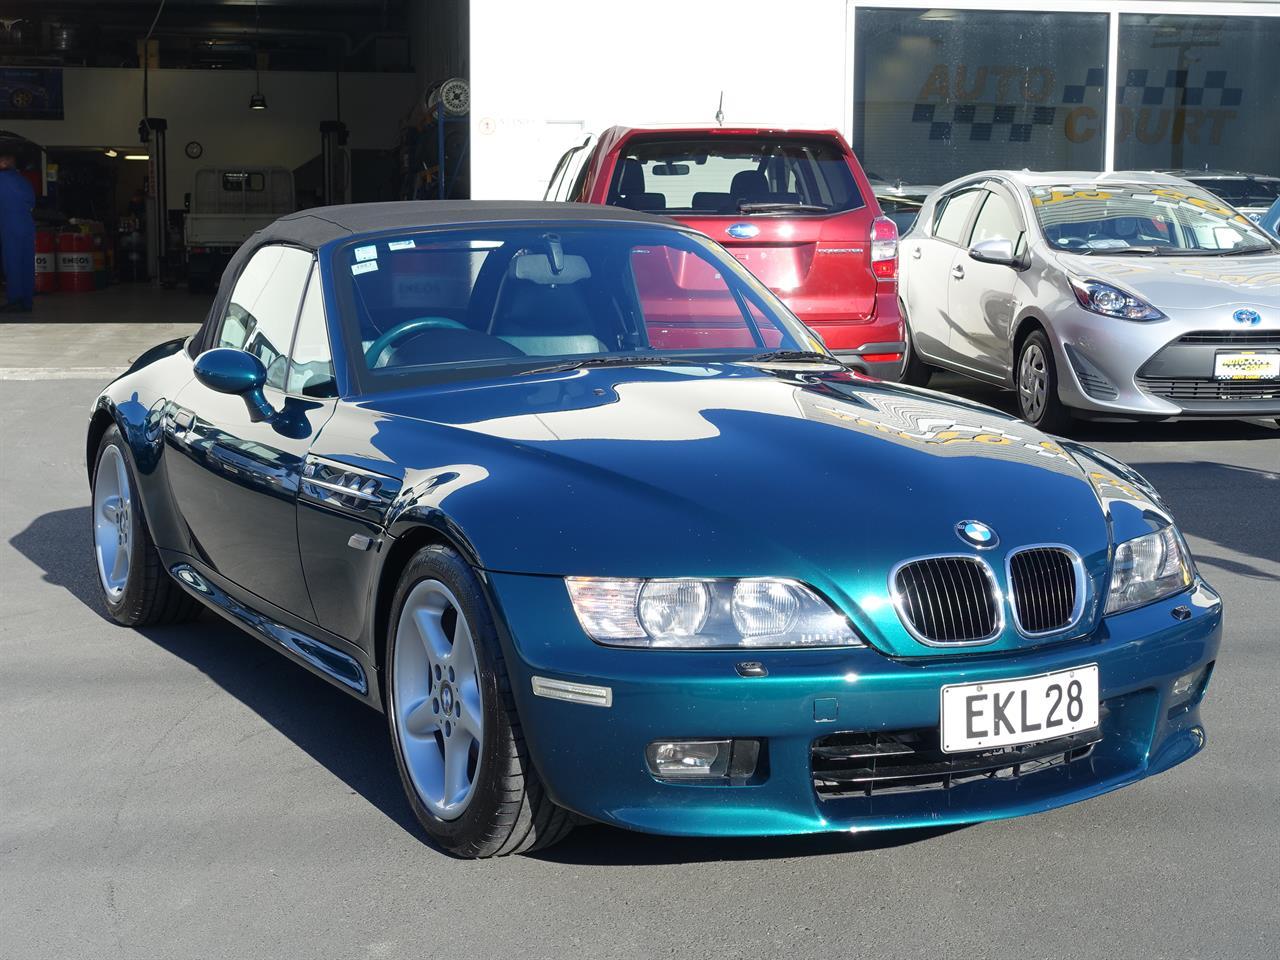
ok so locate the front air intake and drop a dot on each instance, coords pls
(946, 600)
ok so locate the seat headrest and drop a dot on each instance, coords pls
(632, 179)
(748, 185)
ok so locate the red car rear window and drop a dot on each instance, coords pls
(727, 175)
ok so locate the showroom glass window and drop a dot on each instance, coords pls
(941, 93)
(1198, 91)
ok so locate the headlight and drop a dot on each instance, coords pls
(1110, 302)
(706, 614)
(1148, 568)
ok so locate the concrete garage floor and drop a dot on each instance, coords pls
(95, 334)
(187, 792)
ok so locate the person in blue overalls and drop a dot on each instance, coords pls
(17, 236)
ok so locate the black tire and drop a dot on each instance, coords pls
(150, 597)
(1051, 415)
(509, 811)
(915, 371)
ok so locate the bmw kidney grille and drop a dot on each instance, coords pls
(948, 600)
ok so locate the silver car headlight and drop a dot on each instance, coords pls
(1110, 301)
(707, 614)
(1148, 568)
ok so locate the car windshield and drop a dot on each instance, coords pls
(505, 299)
(901, 210)
(730, 175)
(1109, 218)
(1242, 191)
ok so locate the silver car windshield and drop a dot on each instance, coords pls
(1155, 220)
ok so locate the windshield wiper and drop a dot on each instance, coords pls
(1124, 251)
(791, 356)
(768, 207)
(1255, 248)
(616, 360)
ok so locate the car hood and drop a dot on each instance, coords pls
(730, 470)
(1187, 283)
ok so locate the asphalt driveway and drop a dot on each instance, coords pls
(188, 793)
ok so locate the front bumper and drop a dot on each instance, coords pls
(1110, 366)
(592, 758)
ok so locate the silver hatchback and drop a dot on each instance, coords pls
(1127, 294)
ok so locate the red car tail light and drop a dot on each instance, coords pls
(884, 248)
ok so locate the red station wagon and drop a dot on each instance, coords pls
(794, 206)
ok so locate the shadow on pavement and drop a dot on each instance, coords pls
(344, 735)
(1233, 507)
(599, 845)
(350, 739)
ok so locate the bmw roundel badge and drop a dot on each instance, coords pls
(977, 533)
(1250, 317)
(743, 231)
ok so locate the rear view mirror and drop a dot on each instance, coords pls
(236, 372)
(669, 169)
(996, 250)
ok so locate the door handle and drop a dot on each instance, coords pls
(958, 272)
(916, 253)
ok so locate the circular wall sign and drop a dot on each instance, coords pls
(194, 149)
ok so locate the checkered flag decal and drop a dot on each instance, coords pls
(985, 121)
(1014, 123)
(1139, 88)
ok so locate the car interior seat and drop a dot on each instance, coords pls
(748, 186)
(631, 191)
(542, 312)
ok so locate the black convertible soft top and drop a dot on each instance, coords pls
(315, 227)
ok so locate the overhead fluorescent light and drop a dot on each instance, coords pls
(137, 156)
(110, 152)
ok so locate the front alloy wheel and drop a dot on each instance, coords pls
(1038, 401)
(136, 589)
(439, 708)
(457, 738)
(112, 522)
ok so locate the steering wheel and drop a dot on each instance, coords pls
(402, 330)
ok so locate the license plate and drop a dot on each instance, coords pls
(1246, 366)
(1001, 713)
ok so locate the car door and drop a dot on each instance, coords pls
(981, 300)
(933, 256)
(235, 482)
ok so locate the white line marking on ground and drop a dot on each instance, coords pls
(61, 373)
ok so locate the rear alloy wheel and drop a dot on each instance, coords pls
(136, 589)
(1038, 401)
(915, 371)
(454, 728)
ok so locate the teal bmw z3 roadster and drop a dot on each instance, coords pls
(608, 534)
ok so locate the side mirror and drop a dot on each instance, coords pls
(996, 250)
(234, 371)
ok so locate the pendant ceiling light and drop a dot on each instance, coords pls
(257, 101)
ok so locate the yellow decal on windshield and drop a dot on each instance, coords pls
(1209, 206)
(1057, 196)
